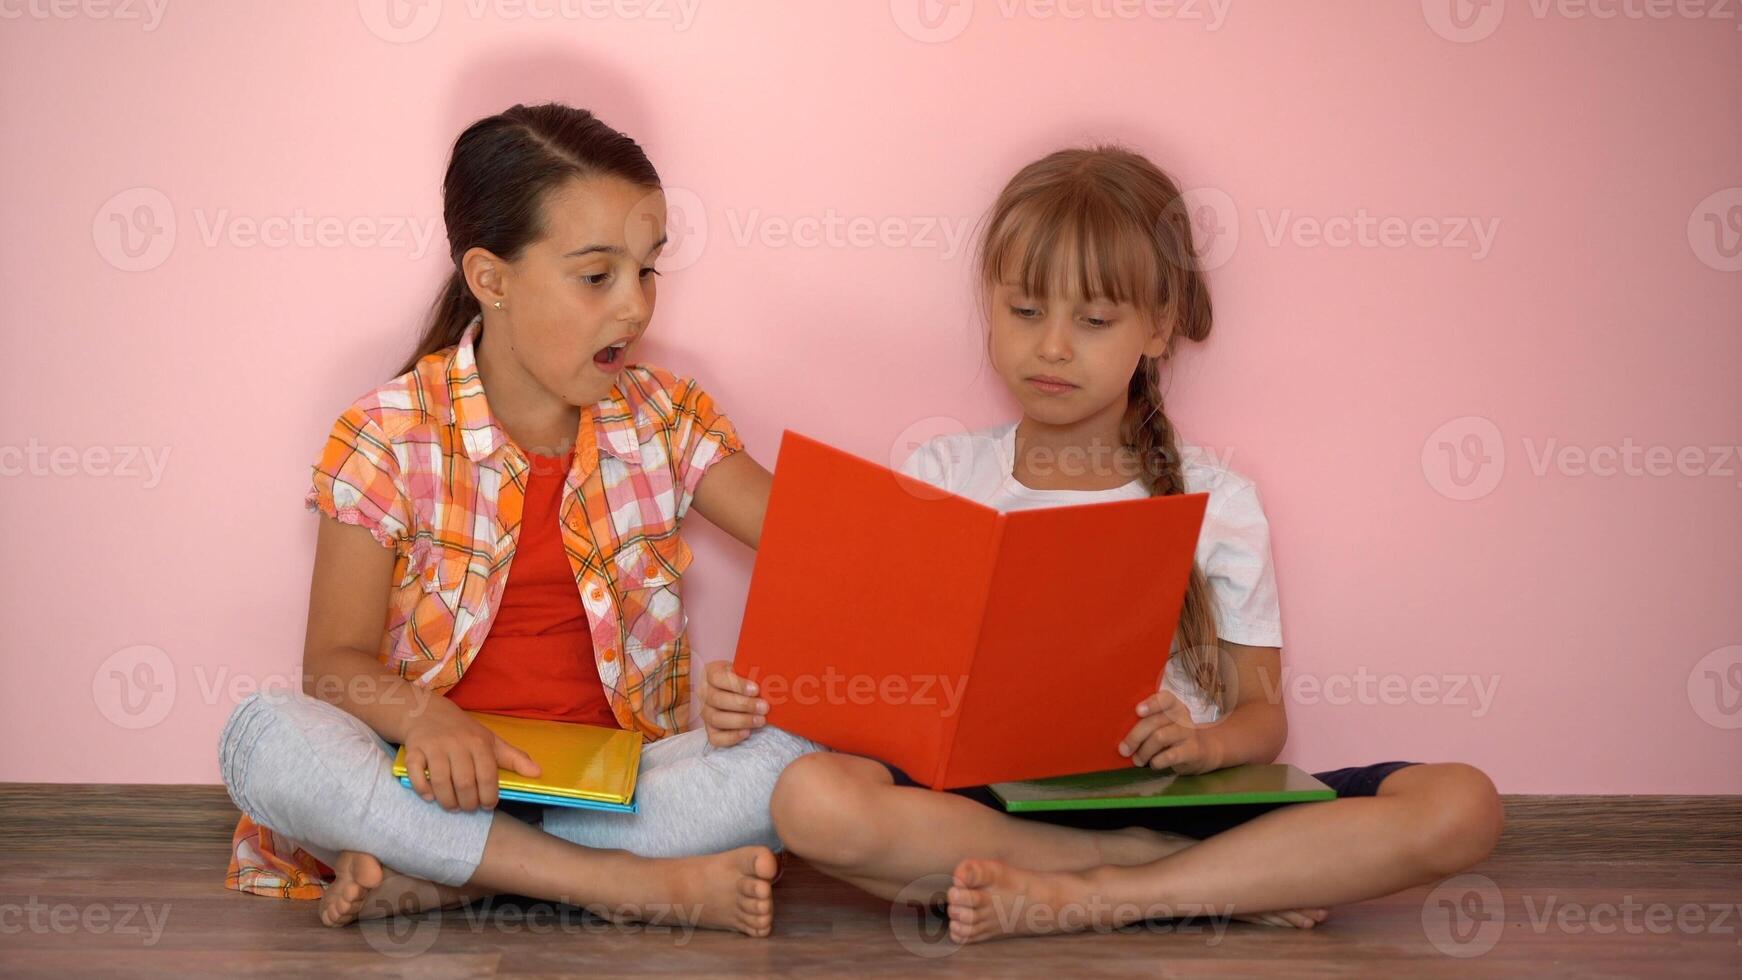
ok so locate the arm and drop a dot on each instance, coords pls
(450, 757)
(1253, 730)
(733, 495)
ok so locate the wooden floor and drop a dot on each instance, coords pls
(127, 881)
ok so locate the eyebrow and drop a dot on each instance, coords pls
(611, 249)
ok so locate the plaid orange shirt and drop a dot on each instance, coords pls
(421, 463)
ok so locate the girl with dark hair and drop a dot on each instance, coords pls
(502, 535)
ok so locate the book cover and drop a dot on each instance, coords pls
(891, 619)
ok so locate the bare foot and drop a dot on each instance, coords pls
(992, 900)
(734, 890)
(363, 889)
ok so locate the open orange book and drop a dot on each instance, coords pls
(891, 619)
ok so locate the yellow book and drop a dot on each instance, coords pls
(583, 765)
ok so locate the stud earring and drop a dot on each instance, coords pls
(498, 304)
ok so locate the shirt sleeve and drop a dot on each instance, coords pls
(1238, 568)
(357, 480)
(701, 438)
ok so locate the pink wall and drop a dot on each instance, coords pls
(1589, 595)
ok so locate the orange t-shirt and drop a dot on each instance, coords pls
(537, 661)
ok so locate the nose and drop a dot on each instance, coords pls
(1054, 345)
(635, 307)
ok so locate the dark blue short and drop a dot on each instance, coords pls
(1195, 821)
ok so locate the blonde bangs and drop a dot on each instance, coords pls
(1074, 240)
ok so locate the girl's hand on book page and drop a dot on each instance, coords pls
(730, 708)
(451, 759)
(1165, 737)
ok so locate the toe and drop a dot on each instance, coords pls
(972, 873)
(764, 865)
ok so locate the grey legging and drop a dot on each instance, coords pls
(315, 773)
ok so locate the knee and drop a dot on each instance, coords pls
(819, 806)
(251, 720)
(1462, 818)
(265, 740)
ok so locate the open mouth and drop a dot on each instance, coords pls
(612, 355)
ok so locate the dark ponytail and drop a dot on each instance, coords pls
(493, 195)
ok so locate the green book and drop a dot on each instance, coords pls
(1134, 787)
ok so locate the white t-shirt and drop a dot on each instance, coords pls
(1233, 547)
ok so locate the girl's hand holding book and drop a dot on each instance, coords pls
(451, 759)
(1166, 737)
(730, 708)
